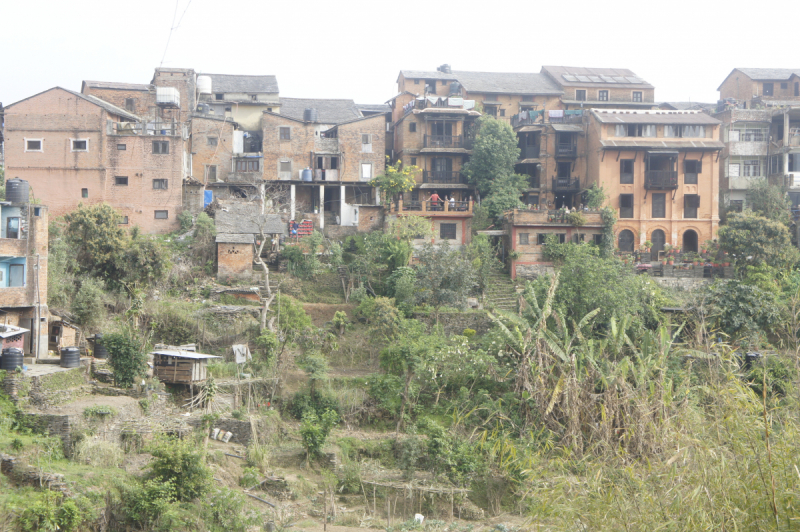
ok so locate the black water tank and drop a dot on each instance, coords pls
(310, 115)
(17, 190)
(70, 357)
(12, 358)
(100, 350)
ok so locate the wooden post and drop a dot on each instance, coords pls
(388, 511)
(325, 510)
(374, 504)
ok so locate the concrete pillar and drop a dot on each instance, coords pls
(291, 195)
(342, 204)
(321, 207)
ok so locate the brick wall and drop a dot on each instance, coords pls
(234, 261)
(353, 154)
(143, 99)
(297, 150)
(205, 154)
(370, 218)
(33, 246)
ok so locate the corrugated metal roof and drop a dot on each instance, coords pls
(507, 83)
(617, 116)
(116, 85)
(329, 111)
(373, 108)
(227, 83)
(662, 144)
(595, 77)
(182, 354)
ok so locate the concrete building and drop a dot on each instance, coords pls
(23, 272)
(238, 97)
(76, 148)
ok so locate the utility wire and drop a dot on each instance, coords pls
(174, 27)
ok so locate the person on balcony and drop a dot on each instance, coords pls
(435, 199)
(452, 203)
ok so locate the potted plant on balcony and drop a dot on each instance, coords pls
(576, 219)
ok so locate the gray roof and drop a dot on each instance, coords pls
(507, 83)
(595, 77)
(687, 106)
(234, 238)
(658, 143)
(427, 74)
(182, 354)
(91, 99)
(373, 107)
(328, 111)
(616, 116)
(779, 74)
(116, 86)
(239, 218)
(228, 83)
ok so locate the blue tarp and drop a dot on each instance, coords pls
(208, 197)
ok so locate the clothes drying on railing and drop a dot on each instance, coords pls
(556, 113)
(574, 112)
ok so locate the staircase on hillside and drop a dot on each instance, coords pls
(501, 292)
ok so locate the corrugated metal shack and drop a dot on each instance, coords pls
(177, 366)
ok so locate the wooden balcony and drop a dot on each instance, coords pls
(534, 217)
(566, 184)
(661, 180)
(425, 208)
(529, 152)
(566, 150)
(443, 177)
(443, 141)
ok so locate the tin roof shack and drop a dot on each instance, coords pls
(177, 366)
(11, 336)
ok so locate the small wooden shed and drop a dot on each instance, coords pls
(176, 366)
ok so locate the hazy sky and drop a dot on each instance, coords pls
(355, 48)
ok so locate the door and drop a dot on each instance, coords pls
(12, 227)
(626, 240)
(16, 275)
(690, 241)
(658, 240)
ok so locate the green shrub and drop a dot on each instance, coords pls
(180, 463)
(185, 219)
(250, 477)
(126, 357)
(99, 412)
(89, 303)
(314, 431)
(50, 511)
(311, 401)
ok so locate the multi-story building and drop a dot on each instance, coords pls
(77, 148)
(240, 98)
(23, 268)
(753, 86)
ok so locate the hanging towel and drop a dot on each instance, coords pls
(556, 114)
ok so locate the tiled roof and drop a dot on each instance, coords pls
(427, 74)
(624, 116)
(241, 218)
(373, 107)
(116, 86)
(662, 144)
(328, 111)
(91, 99)
(687, 106)
(778, 74)
(507, 83)
(234, 238)
(228, 83)
(567, 76)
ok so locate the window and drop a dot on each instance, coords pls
(626, 171)
(635, 130)
(562, 238)
(502, 112)
(268, 109)
(366, 139)
(768, 89)
(161, 147)
(16, 275)
(285, 133)
(797, 88)
(247, 165)
(690, 171)
(626, 205)
(577, 238)
(447, 231)
(751, 168)
(33, 144)
(366, 171)
(527, 98)
(672, 131)
(415, 195)
(736, 206)
(80, 145)
(130, 104)
(693, 131)
(160, 184)
(212, 141)
(416, 82)
(211, 173)
(620, 130)
(580, 95)
(123, 220)
(228, 109)
(219, 96)
(637, 96)
(691, 202)
(776, 164)
(286, 166)
(752, 132)
(541, 239)
(12, 227)
(84, 192)
(598, 240)
(161, 215)
(413, 161)
(523, 239)
(602, 96)
(564, 170)
(122, 147)
(121, 180)
(625, 240)
(412, 127)
(659, 205)
(253, 97)
(784, 86)
(491, 110)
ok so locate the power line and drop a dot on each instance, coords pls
(174, 27)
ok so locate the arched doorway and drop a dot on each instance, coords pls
(626, 240)
(689, 241)
(658, 239)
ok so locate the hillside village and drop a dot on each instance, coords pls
(495, 301)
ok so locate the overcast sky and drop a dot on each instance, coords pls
(355, 48)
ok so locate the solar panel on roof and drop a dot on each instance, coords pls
(569, 77)
(620, 79)
(584, 79)
(595, 79)
(633, 79)
(608, 79)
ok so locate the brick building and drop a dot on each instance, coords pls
(241, 98)
(76, 148)
(23, 271)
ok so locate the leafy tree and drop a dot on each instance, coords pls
(292, 318)
(445, 276)
(483, 258)
(754, 240)
(741, 309)
(504, 194)
(143, 261)
(314, 431)
(395, 180)
(409, 227)
(315, 364)
(2, 183)
(494, 155)
(182, 464)
(769, 201)
(401, 285)
(595, 197)
(609, 217)
(88, 305)
(126, 356)
(96, 238)
(61, 268)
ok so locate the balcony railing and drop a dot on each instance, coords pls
(427, 207)
(170, 129)
(566, 184)
(661, 179)
(566, 150)
(326, 175)
(529, 152)
(443, 141)
(443, 176)
(574, 116)
(527, 118)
